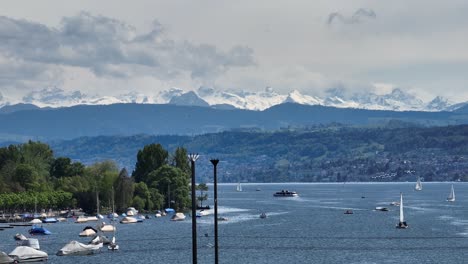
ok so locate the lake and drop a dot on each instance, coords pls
(311, 228)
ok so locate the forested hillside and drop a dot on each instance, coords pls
(320, 153)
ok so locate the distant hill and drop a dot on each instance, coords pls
(165, 119)
(17, 107)
(331, 153)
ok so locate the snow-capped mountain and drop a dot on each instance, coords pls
(396, 100)
(189, 98)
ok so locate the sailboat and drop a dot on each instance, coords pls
(451, 197)
(239, 187)
(418, 186)
(402, 224)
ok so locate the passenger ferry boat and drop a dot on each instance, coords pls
(285, 193)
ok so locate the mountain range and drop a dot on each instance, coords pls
(396, 100)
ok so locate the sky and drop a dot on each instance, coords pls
(110, 47)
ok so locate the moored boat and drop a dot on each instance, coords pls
(75, 248)
(28, 254)
(178, 217)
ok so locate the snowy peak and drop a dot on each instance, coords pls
(396, 100)
(298, 98)
(53, 97)
(189, 98)
(438, 104)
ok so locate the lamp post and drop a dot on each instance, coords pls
(193, 157)
(215, 163)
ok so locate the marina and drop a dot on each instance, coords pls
(310, 228)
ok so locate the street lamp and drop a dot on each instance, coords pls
(193, 157)
(215, 163)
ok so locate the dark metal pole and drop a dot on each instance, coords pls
(215, 163)
(193, 158)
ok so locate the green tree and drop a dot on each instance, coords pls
(173, 184)
(180, 160)
(124, 191)
(151, 158)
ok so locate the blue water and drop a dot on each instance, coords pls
(307, 229)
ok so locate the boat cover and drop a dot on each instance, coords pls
(76, 248)
(27, 253)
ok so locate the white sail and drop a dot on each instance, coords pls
(418, 186)
(239, 187)
(402, 217)
(451, 197)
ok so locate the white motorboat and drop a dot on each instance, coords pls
(75, 248)
(178, 217)
(383, 209)
(128, 220)
(28, 254)
(402, 223)
(451, 197)
(285, 193)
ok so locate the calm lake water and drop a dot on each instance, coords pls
(311, 228)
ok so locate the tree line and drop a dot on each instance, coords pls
(32, 177)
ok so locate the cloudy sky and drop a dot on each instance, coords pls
(110, 47)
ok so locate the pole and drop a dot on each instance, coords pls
(215, 163)
(193, 158)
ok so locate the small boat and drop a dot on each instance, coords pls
(131, 211)
(263, 215)
(395, 203)
(203, 213)
(49, 220)
(113, 245)
(19, 237)
(128, 220)
(39, 230)
(75, 248)
(257, 190)
(223, 219)
(451, 197)
(402, 223)
(239, 187)
(418, 186)
(35, 221)
(92, 218)
(383, 209)
(348, 212)
(107, 227)
(169, 210)
(113, 216)
(178, 217)
(4, 258)
(88, 231)
(81, 219)
(285, 193)
(28, 254)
